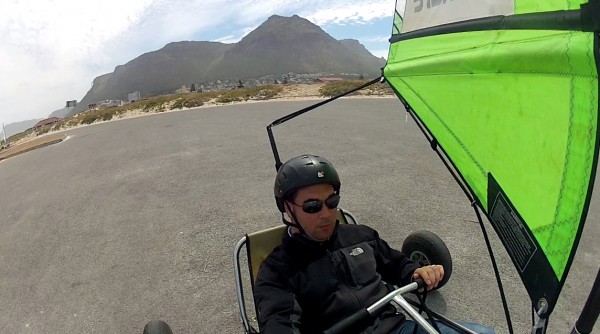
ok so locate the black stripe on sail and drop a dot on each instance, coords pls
(557, 20)
(524, 250)
(590, 16)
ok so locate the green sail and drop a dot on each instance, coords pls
(532, 6)
(516, 112)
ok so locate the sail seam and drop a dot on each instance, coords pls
(556, 222)
(454, 136)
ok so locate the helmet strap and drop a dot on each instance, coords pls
(289, 223)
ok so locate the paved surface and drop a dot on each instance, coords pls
(137, 219)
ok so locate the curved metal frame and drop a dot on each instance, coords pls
(239, 286)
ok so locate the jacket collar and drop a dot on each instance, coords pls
(302, 241)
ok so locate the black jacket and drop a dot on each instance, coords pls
(306, 287)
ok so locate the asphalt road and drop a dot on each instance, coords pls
(134, 220)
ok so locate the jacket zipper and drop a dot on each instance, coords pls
(345, 272)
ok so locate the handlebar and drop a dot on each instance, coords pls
(363, 317)
(359, 319)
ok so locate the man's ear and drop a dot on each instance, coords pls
(288, 211)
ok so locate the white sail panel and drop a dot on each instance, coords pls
(419, 14)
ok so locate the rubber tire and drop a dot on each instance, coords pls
(157, 327)
(427, 248)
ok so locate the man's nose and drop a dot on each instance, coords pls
(327, 212)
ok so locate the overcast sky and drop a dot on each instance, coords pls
(51, 51)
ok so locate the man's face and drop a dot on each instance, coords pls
(318, 226)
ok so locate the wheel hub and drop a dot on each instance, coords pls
(420, 257)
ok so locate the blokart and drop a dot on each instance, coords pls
(507, 95)
(424, 247)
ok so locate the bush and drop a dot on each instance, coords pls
(267, 92)
(379, 89)
(338, 87)
(228, 97)
(156, 104)
(192, 100)
(253, 93)
(92, 116)
(43, 130)
(107, 116)
(89, 118)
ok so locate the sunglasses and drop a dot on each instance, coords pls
(315, 205)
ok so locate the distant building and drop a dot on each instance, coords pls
(183, 89)
(92, 106)
(109, 103)
(328, 79)
(46, 121)
(132, 97)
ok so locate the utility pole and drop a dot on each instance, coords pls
(4, 133)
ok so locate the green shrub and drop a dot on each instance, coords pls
(253, 93)
(379, 89)
(192, 100)
(266, 92)
(107, 116)
(73, 121)
(229, 97)
(156, 104)
(89, 118)
(338, 87)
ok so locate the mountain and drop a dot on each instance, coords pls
(60, 113)
(278, 46)
(293, 44)
(156, 73)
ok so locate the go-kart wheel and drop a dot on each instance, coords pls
(157, 327)
(427, 248)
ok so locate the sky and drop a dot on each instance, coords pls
(51, 50)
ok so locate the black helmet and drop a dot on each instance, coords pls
(302, 171)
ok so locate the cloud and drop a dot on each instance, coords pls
(356, 12)
(47, 48)
(383, 53)
(235, 37)
(375, 39)
(60, 31)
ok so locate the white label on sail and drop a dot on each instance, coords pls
(419, 14)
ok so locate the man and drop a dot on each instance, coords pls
(325, 271)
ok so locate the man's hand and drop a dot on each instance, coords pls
(432, 275)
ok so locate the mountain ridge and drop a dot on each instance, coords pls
(280, 45)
